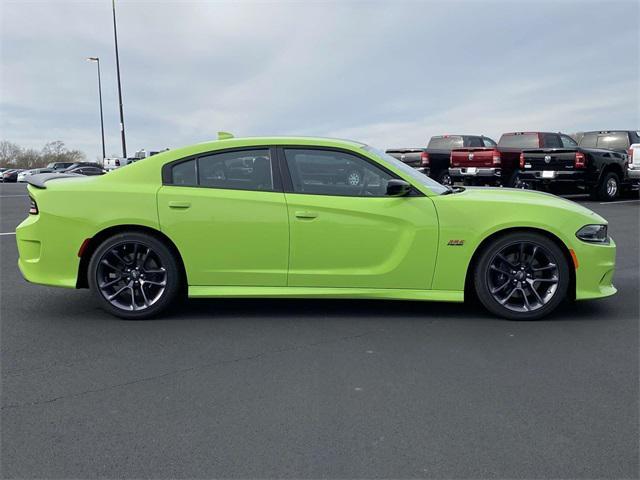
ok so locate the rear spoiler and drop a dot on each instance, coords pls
(39, 179)
(404, 150)
(473, 149)
(551, 150)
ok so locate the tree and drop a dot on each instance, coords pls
(12, 155)
(9, 152)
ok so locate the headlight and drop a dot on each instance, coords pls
(593, 234)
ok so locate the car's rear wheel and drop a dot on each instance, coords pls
(134, 275)
(522, 276)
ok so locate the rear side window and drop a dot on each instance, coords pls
(488, 142)
(448, 142)
(237, 170)
(552, 141)
(474, 142)
(609, 140)
(184, 173)
(519, 140)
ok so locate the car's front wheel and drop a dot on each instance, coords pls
(522, 276)
(134, 275)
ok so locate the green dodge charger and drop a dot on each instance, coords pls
(305, 218)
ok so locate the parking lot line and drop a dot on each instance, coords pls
(619, 201)
(3, 196)
(8, 233)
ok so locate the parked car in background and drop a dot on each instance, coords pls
(11, 175)
(83, 164)
(617, 140)
(59, 165)
(633, 168)
(22, 176)
(434, 160)
(82, 170)
(601, 173)
(500, 164)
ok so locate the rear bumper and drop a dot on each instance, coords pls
(425, 170)
(633, 172)
(475, 172)
(543, 176)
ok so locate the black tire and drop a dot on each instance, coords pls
(127, 267)
(444, 178)
(487, 274)
(515, 182)
(608, 188)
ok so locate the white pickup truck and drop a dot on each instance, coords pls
(112, 163)
(634, 165)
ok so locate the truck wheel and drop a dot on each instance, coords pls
(608, 189)
(515, 182)
(444, 178)
(134, 276)
(522, 276)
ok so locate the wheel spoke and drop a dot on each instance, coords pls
(112, 282)
(118, 292)
(506, 299)
(493, 267)
(535, 292)
(527, 305)
(505, 260)
(546, 267)
(115, 253)
(144, 258)
(106, 262)
(521, 255)
(133, 299)
(160, 284)
(547, 280)
(533, 255)
(144, 296)
(497, 289)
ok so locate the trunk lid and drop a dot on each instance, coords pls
(550, 159)
(474, 157)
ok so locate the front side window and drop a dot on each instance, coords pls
(237, 170)
(328, 172)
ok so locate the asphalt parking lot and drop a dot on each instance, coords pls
(332, 389)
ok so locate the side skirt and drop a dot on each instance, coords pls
(196, 291)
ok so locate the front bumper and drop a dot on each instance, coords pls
(475, 172)
(596, 265)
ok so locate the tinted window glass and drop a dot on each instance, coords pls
(243, 170)
(445, 143)
(184, 173)
(611, 141)
(474, 142)
(568, 142)
(552, 141)
(488, 142)
(325, 172)
(523, 140)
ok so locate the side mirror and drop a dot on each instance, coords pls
(397, 188)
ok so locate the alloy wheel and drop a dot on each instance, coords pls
(612, 187)
(523, 276)
(131, 276)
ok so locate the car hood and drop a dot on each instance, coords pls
(518, 198)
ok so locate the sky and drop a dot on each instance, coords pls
(389, 73)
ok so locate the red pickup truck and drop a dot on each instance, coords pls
(500, 165)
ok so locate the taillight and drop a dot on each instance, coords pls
(580, 160)
(33, 207)
(496, 157)
(521, 159)
(630, 155)
(117, 163)
(424, 159)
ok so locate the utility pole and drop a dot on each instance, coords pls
(115, 38)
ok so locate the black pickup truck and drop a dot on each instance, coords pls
(434, 160)
(602, 173)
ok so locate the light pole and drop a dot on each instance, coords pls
(115, 39)
(97, 60)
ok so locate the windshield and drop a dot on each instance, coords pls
(415, 175)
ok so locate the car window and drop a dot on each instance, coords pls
(607, 140)
(488, 142)
(184, 173)
(519, 140)
(474, 142)
(239, 170)
(445, 142)
(568, 142)
(552, 141)
(329, 172)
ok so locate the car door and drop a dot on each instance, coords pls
(226, 213)
(345, 231)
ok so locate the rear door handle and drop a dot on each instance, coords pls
(179, 204)
(306, 214)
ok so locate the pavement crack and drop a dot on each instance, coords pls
(182, 371)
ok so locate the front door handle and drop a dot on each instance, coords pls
(182, 205)
(306, 214)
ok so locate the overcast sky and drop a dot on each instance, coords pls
(390, 73)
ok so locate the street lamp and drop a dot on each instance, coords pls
(97, 60)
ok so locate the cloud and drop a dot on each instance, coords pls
(389, 73)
